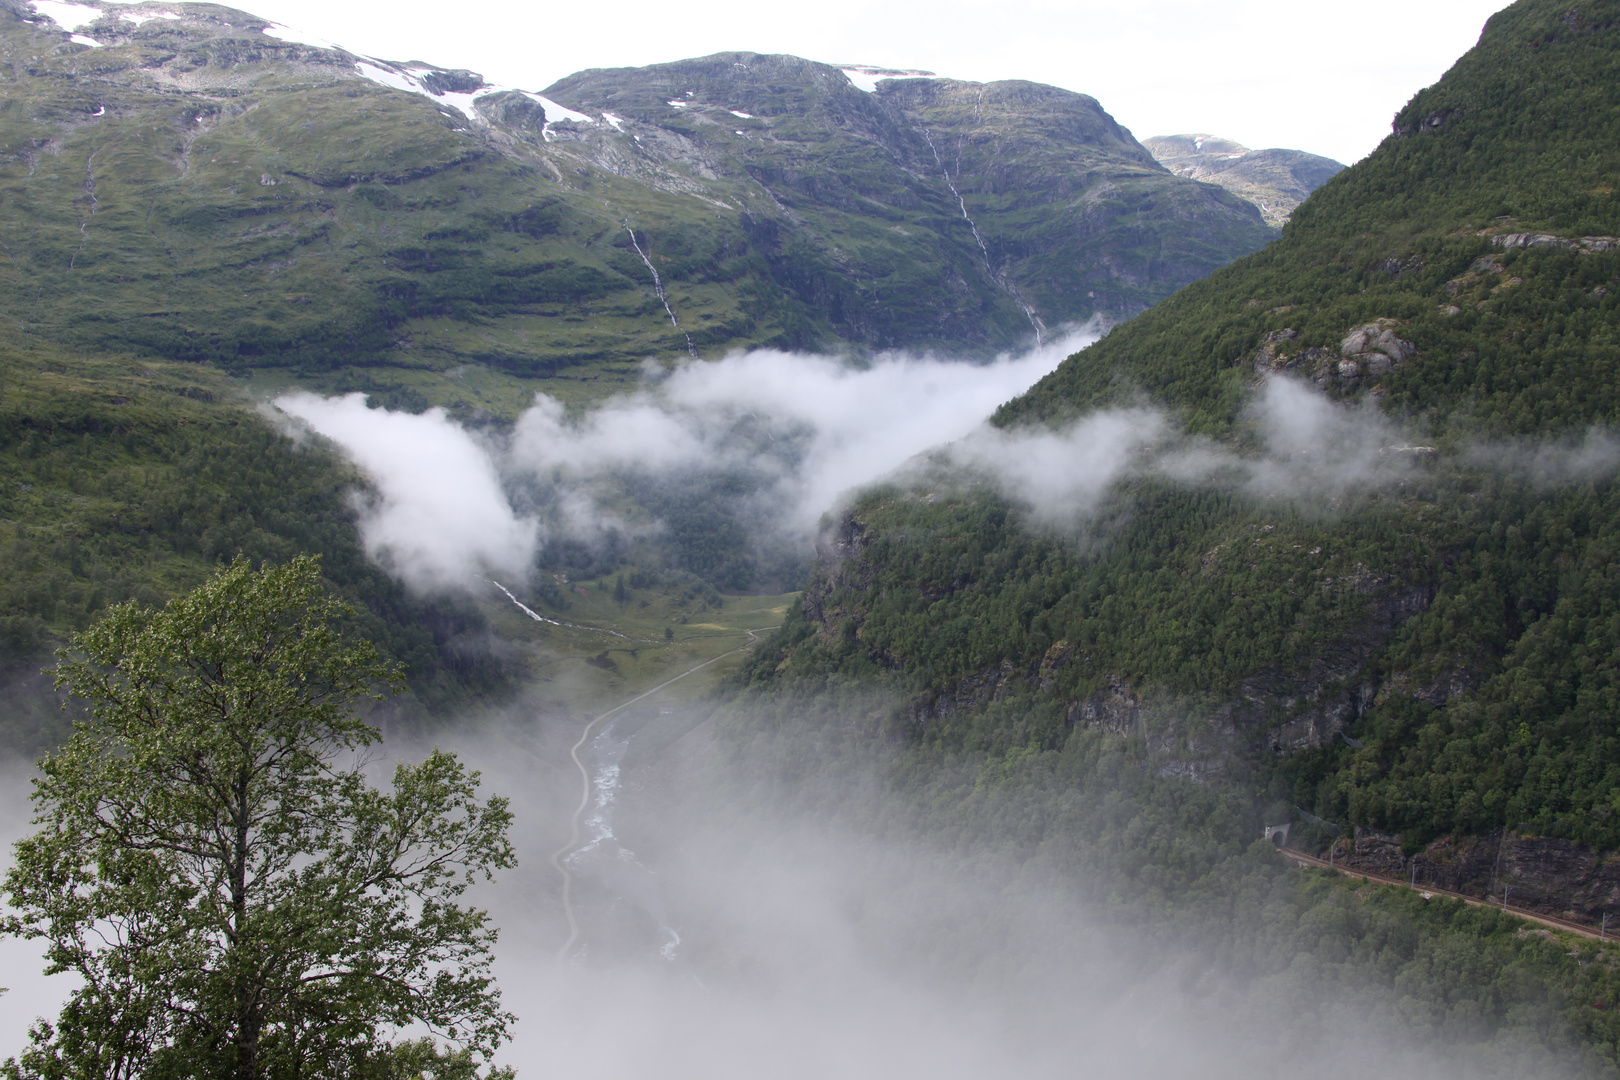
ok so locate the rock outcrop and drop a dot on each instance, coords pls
(1366, 352)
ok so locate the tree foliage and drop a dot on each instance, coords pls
(212, 862)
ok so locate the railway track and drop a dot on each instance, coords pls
(1299, 858)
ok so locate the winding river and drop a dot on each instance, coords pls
(592, 850)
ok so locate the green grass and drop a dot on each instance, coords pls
(593, 669)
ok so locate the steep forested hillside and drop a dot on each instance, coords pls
(130, 479)
(1358, 578)
(1403, 616)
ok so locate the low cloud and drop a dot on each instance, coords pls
(783, 437)
(1574, 459)
(767, 442)
(1309, 446)
(1061, 475)
(1314, 445)
(439, 514)
(812, 428)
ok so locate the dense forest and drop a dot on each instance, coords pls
(131, 479)
(1422, 645)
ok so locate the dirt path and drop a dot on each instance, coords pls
(1299, 858)
(585, 782)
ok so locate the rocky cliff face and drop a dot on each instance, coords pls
(195, 184)
(1300, 703)
(1543, 874)
(1274, 180)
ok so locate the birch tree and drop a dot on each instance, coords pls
(211, 861)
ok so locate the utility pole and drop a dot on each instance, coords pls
(1604, 928)
(1414, 873)
(1505, 890)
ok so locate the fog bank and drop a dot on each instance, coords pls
(439, 513)
(821, 939)
(757, 447)
(823, 936)
(786, 435)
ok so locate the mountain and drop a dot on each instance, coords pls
(1326, 538)
(187, 191)
(1371, 575)
(125, 479)
(1322, 547)
(186, 181)
(1274, 180)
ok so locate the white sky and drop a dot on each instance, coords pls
(1306, 74)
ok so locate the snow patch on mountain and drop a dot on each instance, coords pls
(556, 113)
(463, 103)
(141, 18)
(866, 77)
(744, 115)
(407, 80)
(398, 80)
(67, 16)
(616, 122)
(297, 37)
(81, 39)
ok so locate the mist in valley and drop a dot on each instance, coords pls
(763, 442)
(751, 452)
(782, 896)
(825, 929)
(825, 932)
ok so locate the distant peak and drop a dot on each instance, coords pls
(1274, 181)
(1194, 143)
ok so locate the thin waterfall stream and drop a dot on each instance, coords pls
(658, 287)
(999, 278)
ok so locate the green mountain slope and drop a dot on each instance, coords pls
(1452, 610)
(131, 479)
(192, 187)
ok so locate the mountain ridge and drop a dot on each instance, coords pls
(261, 203)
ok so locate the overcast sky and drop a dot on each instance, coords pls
(1305, 74)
